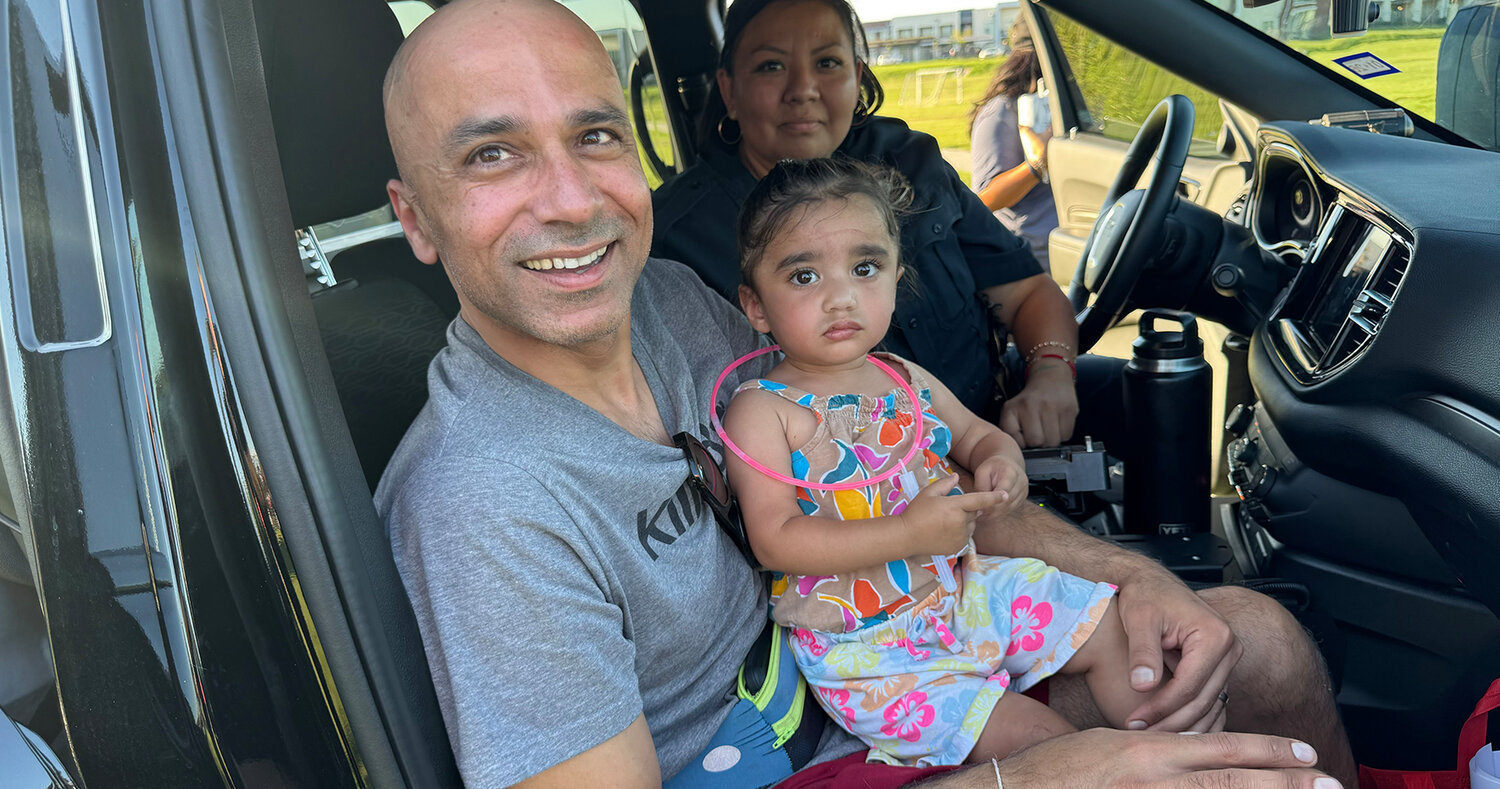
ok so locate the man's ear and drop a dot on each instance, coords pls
(725, 83)
(754, 310)
(411, 223)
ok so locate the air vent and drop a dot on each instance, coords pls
(1370, 307)
(1343, 293)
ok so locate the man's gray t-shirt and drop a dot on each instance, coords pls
(564, 575)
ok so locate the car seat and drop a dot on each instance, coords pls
(384, 315)
(381, 316)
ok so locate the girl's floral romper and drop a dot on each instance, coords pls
(902, 663)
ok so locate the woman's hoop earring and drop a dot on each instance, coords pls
(726, 140)
(861, 112)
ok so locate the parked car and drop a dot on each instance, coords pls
(212, 342)
(889, 58)
(998, 51)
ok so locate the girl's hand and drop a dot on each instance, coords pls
(1001, 474)
(942, 524)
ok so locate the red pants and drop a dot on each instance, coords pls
(852, 772)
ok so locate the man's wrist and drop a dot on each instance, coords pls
(1128, 568)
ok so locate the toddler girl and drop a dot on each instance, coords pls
(910, 640)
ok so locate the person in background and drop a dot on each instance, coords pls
(1010, 157)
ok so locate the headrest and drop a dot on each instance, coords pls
(324, 64)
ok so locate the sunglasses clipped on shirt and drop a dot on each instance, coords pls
(707, 477)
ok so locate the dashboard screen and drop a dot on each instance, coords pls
(1332, 306)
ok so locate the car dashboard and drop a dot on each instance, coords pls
(1375, 440)
(1369, 464)
(1351, 260)
(1354, 212)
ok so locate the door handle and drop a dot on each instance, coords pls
(1189, 188)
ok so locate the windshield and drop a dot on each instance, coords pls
(1438, 59)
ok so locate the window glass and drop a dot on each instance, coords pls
(1119, 89)
(410, 13)
(1439, 59)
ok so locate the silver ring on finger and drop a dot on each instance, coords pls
(1224, 696)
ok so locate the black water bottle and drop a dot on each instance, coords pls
(1167, 390)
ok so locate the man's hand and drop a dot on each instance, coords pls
(1042, 413)
(1109, 758)
(1000, 473)
(1170, 627)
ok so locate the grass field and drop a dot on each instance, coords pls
(1414, 52)
(943, 109)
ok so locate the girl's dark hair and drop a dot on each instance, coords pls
(871, 95)
(1014, 77)
(793, 184)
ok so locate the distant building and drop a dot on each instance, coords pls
(951, 34)
(1308, 19)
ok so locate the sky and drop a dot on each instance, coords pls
(876, 10)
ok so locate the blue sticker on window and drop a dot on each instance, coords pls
(1365, 65)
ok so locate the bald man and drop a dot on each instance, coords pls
(583, 616)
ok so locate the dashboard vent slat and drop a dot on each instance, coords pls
(1371, 307)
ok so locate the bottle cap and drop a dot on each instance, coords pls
(1154, 344)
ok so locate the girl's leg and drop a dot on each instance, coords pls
(1016, 722)
(1104, 661)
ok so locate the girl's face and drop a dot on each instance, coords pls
(795, 84)
(825, 287)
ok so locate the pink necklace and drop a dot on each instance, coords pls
(778, 476)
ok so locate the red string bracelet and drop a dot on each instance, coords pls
(1065, 360)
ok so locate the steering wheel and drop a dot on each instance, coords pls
(1129, 229)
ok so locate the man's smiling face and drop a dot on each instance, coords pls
(519, 171)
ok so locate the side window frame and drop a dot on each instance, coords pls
(1067, 96)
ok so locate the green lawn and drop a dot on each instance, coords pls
(1414, 52)
(943, 108)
